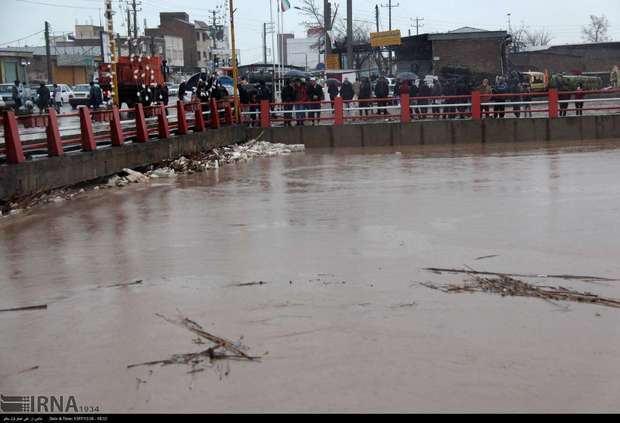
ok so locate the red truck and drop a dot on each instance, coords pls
(136, 75)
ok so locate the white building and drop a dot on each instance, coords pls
(303, 52)
(174, 51)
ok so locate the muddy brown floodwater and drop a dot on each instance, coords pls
(339, 240)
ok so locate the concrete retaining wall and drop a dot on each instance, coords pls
(50, 173)
(447, 132)
(56, 172)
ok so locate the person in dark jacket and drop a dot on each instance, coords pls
(365, 95)
(301, 97)
(182, 88)
(347, 93)
(288, 98)
(423, 91)
(500, 88)
(563, 97)
(95, 96)
(43, 98)
(315, 95)
(333, 91)
(165, 94)
(382, 90)
(16, 96)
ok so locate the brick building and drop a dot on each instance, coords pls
(573, 58)
(482, 52)
(177, 24)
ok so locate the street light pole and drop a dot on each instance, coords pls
(235, 68)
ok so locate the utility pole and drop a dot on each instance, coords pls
(48, 52)
(135, 19)
(234, 62)
(109, 15)
(390, 6)
(327, 23)
(265, 43)
(418, 25)
(350, 34)
(377, 16)
(129, 31)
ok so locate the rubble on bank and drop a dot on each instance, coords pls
(195, 163)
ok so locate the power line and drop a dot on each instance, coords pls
(23, 38)
(66, 6)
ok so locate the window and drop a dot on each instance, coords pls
(204, 36)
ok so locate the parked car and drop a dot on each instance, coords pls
(6, 95)
(173, 89)
(80, 96)
(65, 92)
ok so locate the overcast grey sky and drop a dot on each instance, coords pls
(563, 18)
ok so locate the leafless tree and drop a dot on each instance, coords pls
(538, 38)
(597, 29)
(519, 36)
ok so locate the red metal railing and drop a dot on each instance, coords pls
(52, 134)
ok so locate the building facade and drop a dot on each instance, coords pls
(14, 64)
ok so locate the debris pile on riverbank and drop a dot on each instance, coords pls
(196, 163)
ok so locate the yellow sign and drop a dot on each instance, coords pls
(386, 38)
(333, 61)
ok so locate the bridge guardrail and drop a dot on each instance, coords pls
(115, 127)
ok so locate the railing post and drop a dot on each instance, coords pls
(200, 119)
(86, 125)
(265, 111)
(228, 113)
(405, 109)
(215, 114)
(142, 134)
(476, 105)
(163, 129)
(116, 131)
(553, 103)
(338, 111)
(14, 149)
(181, 118)
(54, 143)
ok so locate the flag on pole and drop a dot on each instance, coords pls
(286, 5)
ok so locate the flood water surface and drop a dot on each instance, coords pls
(340, 240)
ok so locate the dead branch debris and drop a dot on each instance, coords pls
(507, 286)
(37, 307)
(222, 350)
(516, 275)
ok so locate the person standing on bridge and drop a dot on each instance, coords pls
(364, 96)
(16, 95)
(382, 91)
(57, 98)
(288, 98)
(301, 97)
(615, 77)
(182, 89)
(43, 98)
(95, 97)
(315, 95)
(485, 92)
(347, 93)
(579, 97)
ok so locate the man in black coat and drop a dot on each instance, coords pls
(382, 90)
(315, 95)
(288, 98)
(43, 98)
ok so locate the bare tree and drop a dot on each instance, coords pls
(538, 38)
(312, 13)
(519, 36)
(596, 31)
